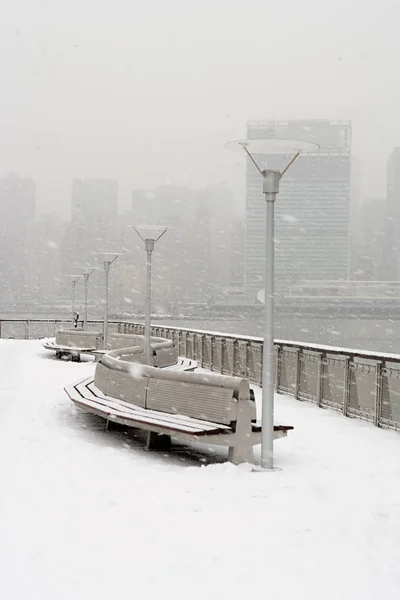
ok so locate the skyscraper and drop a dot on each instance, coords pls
(192, 261)
(94, 211)
(94, 199)
(17, 213)
(392, 224)
(312, 208)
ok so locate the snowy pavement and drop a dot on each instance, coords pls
(89, 514)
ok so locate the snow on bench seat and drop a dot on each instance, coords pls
(211, 408)
(88, 396)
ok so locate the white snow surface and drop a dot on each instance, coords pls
(89, 514)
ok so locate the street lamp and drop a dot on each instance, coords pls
(270, 188)
(108, 259)
(150, 234)
(87, 271)
(74, 280)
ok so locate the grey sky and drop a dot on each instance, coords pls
(149, 92)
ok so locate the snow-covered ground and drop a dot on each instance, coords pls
(89, 514)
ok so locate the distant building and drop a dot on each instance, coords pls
(95, 200)
(192, 262)
(17, 213)
(370, 242)
(44, 260)
(312, 208)
(355, 220)
(366, 290)
(237, 244)
(94, 212)
(392, 226)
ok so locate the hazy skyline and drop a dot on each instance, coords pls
(149, 93)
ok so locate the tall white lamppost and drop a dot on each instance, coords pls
(87, 272)
(74, 280)
(108, 258)
(270, 189)
(150, 234)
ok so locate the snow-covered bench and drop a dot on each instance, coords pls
(78, 338)
(208, 408)
(164, 352)
(73, 343)
(72, 352)
(183, 364)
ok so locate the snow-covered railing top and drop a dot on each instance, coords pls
(326, 349)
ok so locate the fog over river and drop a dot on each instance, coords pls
(364, 334)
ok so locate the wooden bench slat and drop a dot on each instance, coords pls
(54, 346)
(82, 391)
(183, 364)
(144, 420)
(257, 427)
(89, 388)
(175, 420)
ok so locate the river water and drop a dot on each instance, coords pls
(363, 334)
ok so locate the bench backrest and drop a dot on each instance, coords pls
(205, 396)
(206, 402)
(164, 351)
(123, 340)
(121, 385)
(165, 356)
(79, 339)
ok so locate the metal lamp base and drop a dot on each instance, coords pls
(260, 469)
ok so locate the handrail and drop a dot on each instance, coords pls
(360, 384)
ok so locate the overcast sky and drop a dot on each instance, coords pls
(149, 92)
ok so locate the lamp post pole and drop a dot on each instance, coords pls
(74, 282)
(87, 271)
(270, 188)
(107, 265)
(85, 316)
(270, 191)
(108, 260)
(149, 246)
(150, 235)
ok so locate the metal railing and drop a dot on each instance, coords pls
(363, 385)
(33, 329)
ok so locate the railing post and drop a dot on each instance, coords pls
(212, 352)
(246, 359)
(235, 345)
(297, 374)
(27, 329)
(202, 342)
(346, 385)
(278, 368)
(378, 394)
(259, 352)
(320, 378)
(185, 344)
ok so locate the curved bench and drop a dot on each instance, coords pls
(164, 352)
(73, 343)
(209, 408)
(77, 338)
